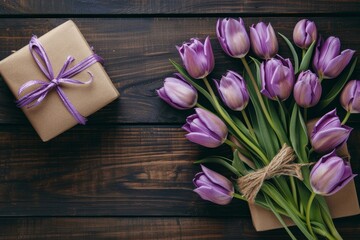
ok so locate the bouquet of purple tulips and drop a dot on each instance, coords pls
(279, 161)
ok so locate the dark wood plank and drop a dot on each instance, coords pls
(112, 171)
(125, 7)
(150, 228)
(117, 171)
(137, 50)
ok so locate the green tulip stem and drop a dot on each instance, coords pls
(305, 114)
(346, 118)
(308, 208)
(259, 203)
(325, 234)
(248, 124)
(293, 190)
(261, 101)
(303, 53)
(200, 106)
(329, 222)
(232, 124)
(238, 196)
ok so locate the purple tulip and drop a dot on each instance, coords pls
(328, 61)
(277, 77)
(233, 92)
(307, 89)
(213, 187)
(178, 93)
(263, 40)
(328, 133)
(205, 128)
(350, 96)
(198, 58)
(330, 174)
(305, 33)
(233, 37)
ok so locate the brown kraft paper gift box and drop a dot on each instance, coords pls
(50, 118)
(342, 204)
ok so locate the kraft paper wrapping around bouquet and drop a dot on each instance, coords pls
(51, 117)
(342, 204)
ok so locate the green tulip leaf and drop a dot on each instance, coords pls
(304, 65)
(257, 69)
(273, 193)
(298, 135)
(242, 127)
(339, 84)
(293, 51)
(278, 216)
(238, 164)
(283, 115)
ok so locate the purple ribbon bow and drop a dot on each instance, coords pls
(36, 96)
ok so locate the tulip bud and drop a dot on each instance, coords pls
(198, 58)
(307, 89)
(233, 37)
(328, 133)
(205, 128)
(213, 187)
(328, 61)
(233, 92)
(330, 174)
(178, 93)
(305, 33)
(350, 96)
(277, 77)
(263, 40)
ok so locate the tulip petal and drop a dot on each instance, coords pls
(209, 56)
(218, 179)
(329, 120)
(336, 65)
(328, 176)
(330, 49)
(271, 45)
(316, 64)
(213, 195)
(237, 40)
(182, 94)
(256, 43)
(341, 185)
(203, 139)
(329, 139)
(213, 123)
(193, 63)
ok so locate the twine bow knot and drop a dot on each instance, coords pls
(35, 97)
(251, 183)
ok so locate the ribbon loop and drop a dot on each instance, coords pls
(35, 97)
(251, 183)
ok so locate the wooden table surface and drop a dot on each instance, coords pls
(127, 173)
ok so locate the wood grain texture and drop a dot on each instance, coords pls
(128, 173)
(127, 7)
(149, 228)
(108, 171)
(118, 171)
(136, 51)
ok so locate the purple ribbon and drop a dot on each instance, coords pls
(36, 96)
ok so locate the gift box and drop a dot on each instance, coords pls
(87, 91)
(341, 204)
